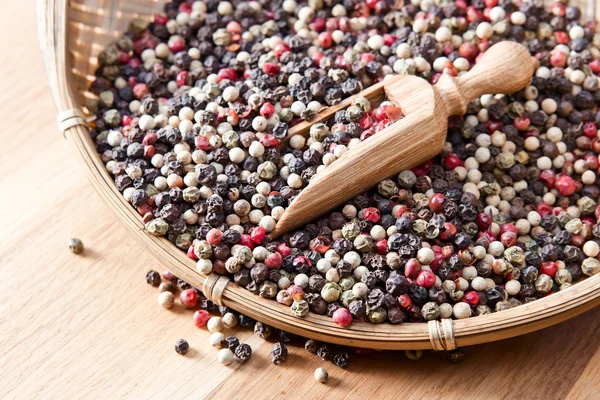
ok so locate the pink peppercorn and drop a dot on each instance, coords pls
(521, 123)
(436, 203)
(183, 78)
(452, 161)
(295, 290)
(548, 178)
(426, 279)
(404, 301)
(273, 261)
(565, 185)
(257, 234)
(201, 317)
(201, 143)
(140, 90)
(412, 268)
(269, 140)
(283, 249)
(483, 221)
(160, 19)
(558, 59)
(176, 45)
(471, 298)
(508, 239)
(372, 214)
(226, 73)
(382, 246)
(342, 317)
(280, 49)
(246, 240)
(191, 253)
(595, 66)
(549, 268)
(325, 40)
(561, 37)
(189, 298)
(214, 236)
(267, 110)
(509, 228)
(270, 68)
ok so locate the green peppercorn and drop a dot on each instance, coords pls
(331, 292)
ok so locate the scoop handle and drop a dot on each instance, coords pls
(505, 67)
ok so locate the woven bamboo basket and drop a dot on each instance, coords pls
(74, 32)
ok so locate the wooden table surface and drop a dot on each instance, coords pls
(89, 326)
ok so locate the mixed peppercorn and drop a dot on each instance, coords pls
(193, 110)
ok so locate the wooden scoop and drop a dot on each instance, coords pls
(505, 68)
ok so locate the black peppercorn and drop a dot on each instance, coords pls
(279, 353)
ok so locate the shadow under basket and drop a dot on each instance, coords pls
(73, 33)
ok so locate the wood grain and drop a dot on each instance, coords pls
(89, 327)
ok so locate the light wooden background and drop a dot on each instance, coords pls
(89, 326)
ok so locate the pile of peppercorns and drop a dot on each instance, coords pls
(192, 110)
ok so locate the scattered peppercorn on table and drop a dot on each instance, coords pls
(87, 326)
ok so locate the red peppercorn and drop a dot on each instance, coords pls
(561, 37)
(191, 253)
(595, 66)
(140, 90)
(565, 185)
(508, 239)
(295, 290)
(412, 268)
(149, 151)
(201, 317)
(549, 268)
(246, 240)
(267, 110)
(160, 19)
(449, 231)
(491, 3)
(372, 214)
(201, 143)
(438, 258)
(422, 169)
(592, 162)
(273, 261)
(557, 9)
(474, 15)
(271, 68)
(342, 317)
(426, 279)
(318, 25)
(404, 301)
(185, 7)
(268, 140)
(176, 45)
(488, 235)
(226, 73)
(389, 39)
(451, 161)
(283, 249)
(325, 40)
(548, 178)
(316, 57)
(257, 234)
(436, 203)
(447, 251)
(189, 298)
(182, 78)
(521, 123)
(214, 236)
(382, 246)
(483, 221)
(558, 59)
(280, 49)
(471, 298)
(468, 51)
(589, 129)
(508, 228)
(394, 113)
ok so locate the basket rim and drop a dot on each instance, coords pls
(526, 318)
